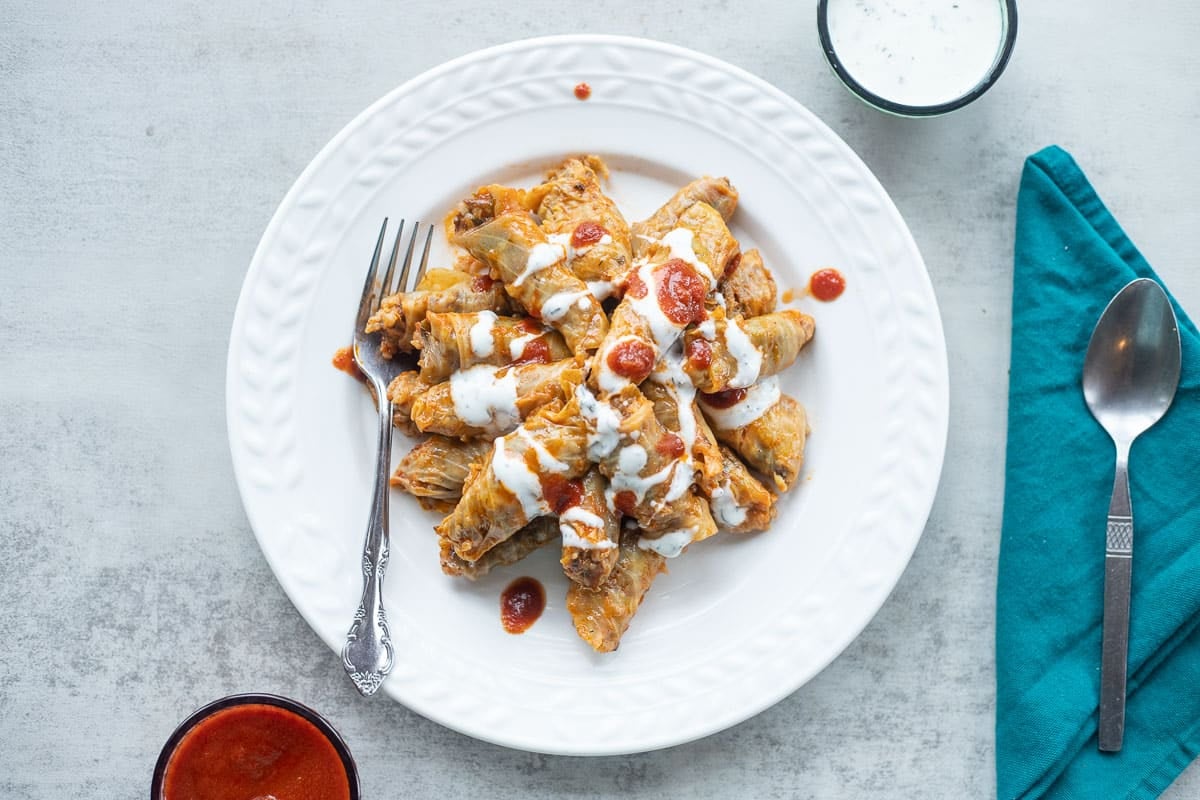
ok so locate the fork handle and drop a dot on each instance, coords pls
(1114, 647)
(368, 654)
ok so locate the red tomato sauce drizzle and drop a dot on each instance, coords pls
(726, 399)
(482, 283)
(699, 353)
(680, 292)
(632, 359)
(561, 493)
(537, 351)
(521, 603)
(587, 233)
(670, 446)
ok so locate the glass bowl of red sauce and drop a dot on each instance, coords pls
(249, 746)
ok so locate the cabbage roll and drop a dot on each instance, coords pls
(575, 212)
(765, 427)
(519, 479)
(489, 401)
(440, 290)
(403, 391)
(590, 531)
(664, 292)
(748, 287)
(650, 477)
(456, 340)
(602, 615)
(739, 502)
(735, 353)
(435, 470)
(717, 193)
(539, 532)
(496, 228)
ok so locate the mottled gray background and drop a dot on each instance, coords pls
(142, 152)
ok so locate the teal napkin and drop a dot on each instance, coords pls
(1071, 258)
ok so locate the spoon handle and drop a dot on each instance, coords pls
(1118, 568)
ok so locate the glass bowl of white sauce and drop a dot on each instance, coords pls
(917, 58)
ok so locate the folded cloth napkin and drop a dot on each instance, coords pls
(1071, 258)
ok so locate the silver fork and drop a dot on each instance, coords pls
(368, 655)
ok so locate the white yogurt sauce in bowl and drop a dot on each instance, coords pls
(917, 57)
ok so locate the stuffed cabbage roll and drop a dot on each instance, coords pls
(435, 470)
(456, 340)
(765, 427)
(539, 532)
(717, 193)
(650, 477)
(488, 401)
(525, 475)
(602, 615)
(403, 391)
(440, 290)
(664, 293)
(735, 353)
(495, 227)
(575, 212)
(748, 286)
(739, 502)
(590, 531)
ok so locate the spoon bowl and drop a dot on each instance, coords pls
(1130, 375)
(1132, 366)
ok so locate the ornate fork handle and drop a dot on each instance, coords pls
(367, 654)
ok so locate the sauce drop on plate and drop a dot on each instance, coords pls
(789, 295)
(826, 284)
(582, 91)
(521, 603)
(255, 750)
(343, 359)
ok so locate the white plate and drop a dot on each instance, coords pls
(738, 624)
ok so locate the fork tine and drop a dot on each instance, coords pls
(366, 303)
(408, 256)
(385, 288)
(425, 255)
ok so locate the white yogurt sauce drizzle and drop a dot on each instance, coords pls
(557, 305)
(577, 517)
(514, 474)
(516, 348)
(725, 508)
(758, 400)
(917, 52)
(679, 242)
(482, 341)
(604, 423)
(546, 461)
(749, 358)
(485, 400)
(669, 545)
(542, 256)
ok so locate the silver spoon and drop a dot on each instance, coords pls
(1129, 380)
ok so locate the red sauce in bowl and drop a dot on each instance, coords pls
(251, 750)
(521, 603)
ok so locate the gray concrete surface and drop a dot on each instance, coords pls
(142, 152)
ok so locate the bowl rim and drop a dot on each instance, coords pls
(253, 698)
(1009, 9)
